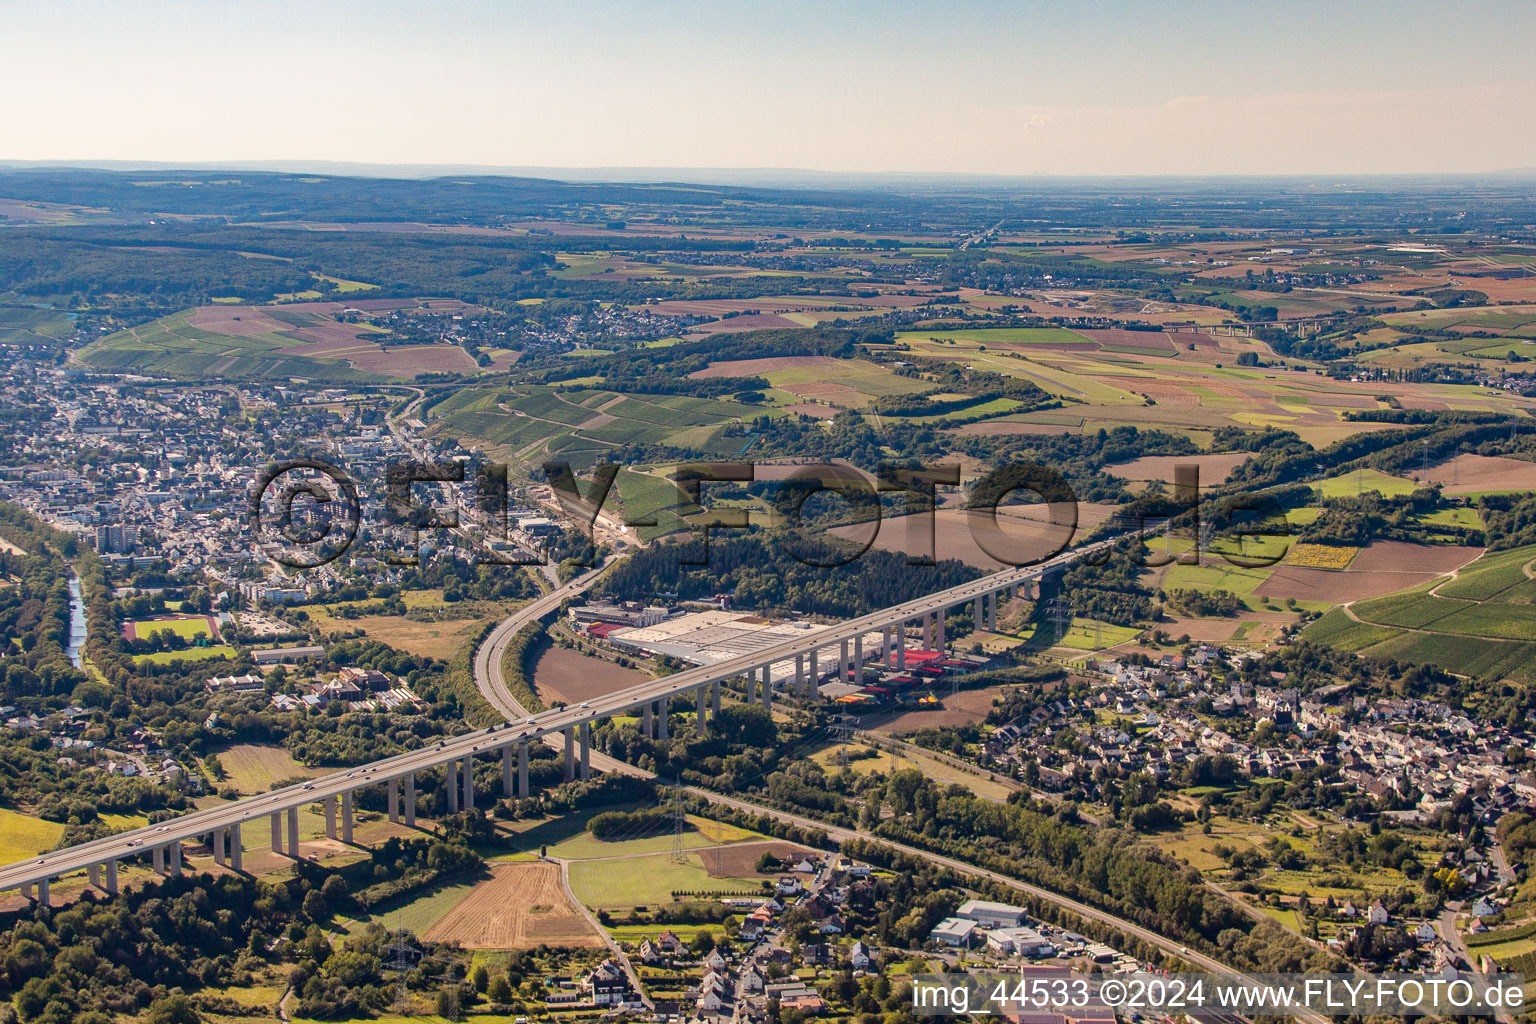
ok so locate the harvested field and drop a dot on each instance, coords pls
(1382, 568)
(564, 674)
(520, 906)
(1213, 468)
(757, 367)
(1472, 474)
(740, 860)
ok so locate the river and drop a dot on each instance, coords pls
(76, 621)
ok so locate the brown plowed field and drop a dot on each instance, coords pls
(1383, 568)
(1471, 474)
(740, 860)
(1026, 533)
(564, 674)
(968, 707)
(520, 906)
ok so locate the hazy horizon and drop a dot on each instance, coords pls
(741, 176)
(1188, 89)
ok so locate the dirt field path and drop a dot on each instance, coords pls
(608, 940)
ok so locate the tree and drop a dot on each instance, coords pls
(481, 978)
(314, 905)
(499, 990)
(173, 1009)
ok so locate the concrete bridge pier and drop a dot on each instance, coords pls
(663, 716)
(293, 832)
(392, 799)
(701, 708)
(570, 754)
(330, 817)
(648, 727)
(938, 626)
(236, 857)
(507, 791)
(992, 612)
(277, 832)
(586, 751)
(410, 800)
(42, 892)
(111, 885)
(858, 660)
(451, 785)
(815, 681)
(157, 860)
(714, 704)
(799, 674)
(469, 782)
(175, 865)
(522, 769)
(93, 875)
(901, 646)
(767, 688)
(842, 662)
(216, 844)
(346, 817)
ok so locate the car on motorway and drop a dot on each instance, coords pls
(309, 785)
(531, 721)
(583, 706)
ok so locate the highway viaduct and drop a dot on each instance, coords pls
(841, 647)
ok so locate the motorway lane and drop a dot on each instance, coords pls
(493, 648)
(549, 726)
(550, 723)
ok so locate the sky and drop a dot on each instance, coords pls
(1007, 88)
